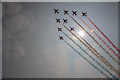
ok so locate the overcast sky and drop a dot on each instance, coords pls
(31, 46)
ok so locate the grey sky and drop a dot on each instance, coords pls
(31, 46)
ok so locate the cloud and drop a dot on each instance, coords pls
(79, 69)
(12, 8)
(16, 22)
(13, 49)
(19, 50)
(82, 69)
(55, 60)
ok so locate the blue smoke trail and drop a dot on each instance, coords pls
(90, 56)
(88, 61)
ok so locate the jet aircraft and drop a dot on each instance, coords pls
(61, 38)
(57, 20)
(84, 14)
(65, 20)
(72, 29)
(56, 11)
(59, 29)
(65, 12)
(74, 13)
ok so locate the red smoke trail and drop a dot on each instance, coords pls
(102, 41)
(94, 40)
(104, 36)
(98, 55)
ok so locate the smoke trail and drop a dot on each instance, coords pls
(97, 55)
(103, 42)
(90, 36)
(108, 64)
(104, 36)
(90, 56)
(88, 60)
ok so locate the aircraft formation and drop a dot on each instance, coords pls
(56, 11)
(60, 29)
(66, 12)
(73, 14)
